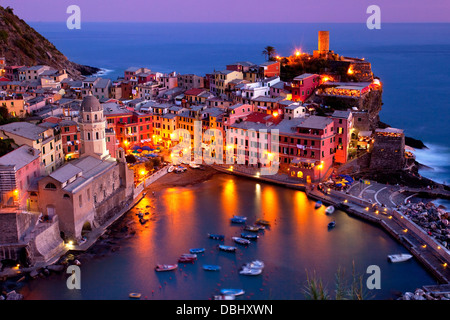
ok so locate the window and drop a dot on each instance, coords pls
(50, 186)
(80, 200)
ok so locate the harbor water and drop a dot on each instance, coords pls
(296, 243)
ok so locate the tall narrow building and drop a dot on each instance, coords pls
(92, 128)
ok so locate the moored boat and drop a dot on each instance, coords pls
(224, 297)
(238, 220)
(226, 248)
(234, 292)
(401, 257)
(262, 222)
(197, 250)
(250, 271)
(193, 165)
(134, 295)
(329, 210)
(241, 240)
(332, 224)
(216, 236)
(166, 267)
(249, 236)
(252, 228)
(187, 257)
(256, 264)
(318, 204)
(211, 267)
(170, 169)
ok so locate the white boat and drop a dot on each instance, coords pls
(329, 210)
(257, 264)
(399, 257)
(224, 297)
(234, 292)
(193, 165)
(170, 169)
(250, 271)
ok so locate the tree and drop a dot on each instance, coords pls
(269, 52)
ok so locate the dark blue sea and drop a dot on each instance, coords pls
(411, 60)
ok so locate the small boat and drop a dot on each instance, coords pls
(234, 292)
(399, 257)
(252, 228)
(249, 236)
(241, 240)
(197, 250)
(318, 204)
(224, 297)
(193, 165)
(187, 257)
(211, 267)
(329, 210)
(226, 248)
(238, 220)
(134, 295)
(250, 271)
(170, 169)
(216, 236)
(263, 222)
(332, 224)
(240, 217)
(257, 264)
(166, 267)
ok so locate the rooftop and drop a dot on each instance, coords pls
(315, 122)
(20, 157)
(24, 129)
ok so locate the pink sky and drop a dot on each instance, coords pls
(233, 10)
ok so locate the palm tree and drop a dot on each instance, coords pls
(269, 51)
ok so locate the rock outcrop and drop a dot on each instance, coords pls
(21, 45)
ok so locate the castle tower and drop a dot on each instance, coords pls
(92, 128)
(324, 42)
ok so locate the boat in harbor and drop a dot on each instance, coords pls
(332, 224)
(329, 210)
(401, 257)
(170, 169)
(224, 297)
(211, 267)
(234, 292)
(187, 257)
(216, 236)
(238, 219)
(250, 271)
(249, 236)
(226, 248)
(134, 295)
(180, 169)
(197, 250)
(252, 228)
(256, 264)
(166, 267)
(262, 222)
(193, 165)
(318, 204)
(241, 240)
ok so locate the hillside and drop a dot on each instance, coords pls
(20, 44)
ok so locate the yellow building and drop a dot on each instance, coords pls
(222, 78)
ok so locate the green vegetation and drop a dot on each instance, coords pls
(3, 36)
(314, 289)
(6, 146)
(269, 52)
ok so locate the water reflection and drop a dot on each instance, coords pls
(180, 218)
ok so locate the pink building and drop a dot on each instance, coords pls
(343, 124)
(303, 86)
(237, 111)
(18, 169)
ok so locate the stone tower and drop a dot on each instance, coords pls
(324, 42)
(92, 128)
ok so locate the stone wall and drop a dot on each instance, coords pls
(13, 225)
(388, 153)
(47, 242)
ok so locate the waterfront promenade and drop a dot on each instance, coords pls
(358, 201)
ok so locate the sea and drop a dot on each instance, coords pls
(410, 59)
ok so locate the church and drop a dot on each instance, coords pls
(86, 192)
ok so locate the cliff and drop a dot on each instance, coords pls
(21, 45)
